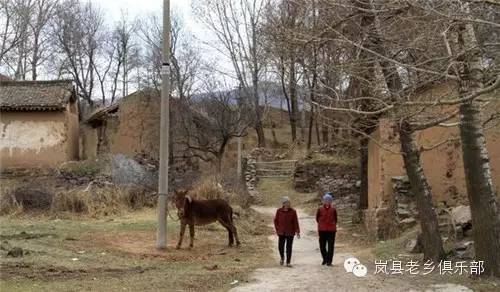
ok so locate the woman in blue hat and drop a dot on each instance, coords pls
(326, 217)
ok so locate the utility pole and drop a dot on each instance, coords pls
(161, 233)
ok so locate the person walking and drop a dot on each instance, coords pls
(286, 224)
(326, 217)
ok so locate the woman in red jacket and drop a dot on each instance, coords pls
(326, 217)
(286, 224)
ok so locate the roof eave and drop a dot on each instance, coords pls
(31, 108)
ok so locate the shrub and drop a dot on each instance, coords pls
(88, 168)
(226, 189)
(91, 201)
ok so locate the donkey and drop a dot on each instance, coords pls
(201, 212)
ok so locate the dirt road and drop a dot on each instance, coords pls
(308, 274)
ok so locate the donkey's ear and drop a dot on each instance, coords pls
(188, 199)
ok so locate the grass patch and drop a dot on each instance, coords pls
(273, 189)
(117, 253)
(334, 159)
(82, 168)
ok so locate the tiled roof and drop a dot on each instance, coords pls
(35, 95)
(4, 78)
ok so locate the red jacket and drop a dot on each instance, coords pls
(326, 216)
(286, 222)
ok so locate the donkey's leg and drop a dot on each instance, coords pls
(229, 230)
(181, 235)
(191, 234)
(235, 232)
(233, 228)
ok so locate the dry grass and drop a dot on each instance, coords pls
(208, 188)
(273, 189)
(212, 187)
(92, 201)
(119, 252)
(337, 159)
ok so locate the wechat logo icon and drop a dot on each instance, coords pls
(353, 265)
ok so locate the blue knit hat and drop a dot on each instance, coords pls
(328, 196)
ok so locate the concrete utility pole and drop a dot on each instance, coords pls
(161, 233)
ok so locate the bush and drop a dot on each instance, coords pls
(84, 168)
(89, 201)
(8, 205)
(211, 188)
(25, 198)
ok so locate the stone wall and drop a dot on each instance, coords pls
(250, 173)
(309, 173)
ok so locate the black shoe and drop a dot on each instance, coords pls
(328, 264)
(323, 263)
(281, 262)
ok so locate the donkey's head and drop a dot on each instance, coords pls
(181, 201)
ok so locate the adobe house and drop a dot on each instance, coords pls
(39, 123)
(443, 166)
(131, 126)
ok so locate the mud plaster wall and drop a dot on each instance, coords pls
(35, 139)
(132, 130)
(136, 127)
(443, 166)
(88, 141)
(73, 145)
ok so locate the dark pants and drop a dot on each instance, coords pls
(326, 245)
(288, 239)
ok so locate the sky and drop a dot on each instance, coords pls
(133, 8)
(113, 8)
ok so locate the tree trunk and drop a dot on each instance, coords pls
(261, 138)
(219, 164)
(293, 100)
(480, 190)
(363, 167)
(311, 122)
(273, 132)
(324, 133)
(431, 238)
(318, 137)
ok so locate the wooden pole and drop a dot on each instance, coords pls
(161, 234)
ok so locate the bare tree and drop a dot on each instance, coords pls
(475, 78)
(14, 20)
(41, 46)
(185, 55)
(216, 118)
(236, 24)
(78, 32)
(282, 22)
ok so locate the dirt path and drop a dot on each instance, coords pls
(307, 273)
